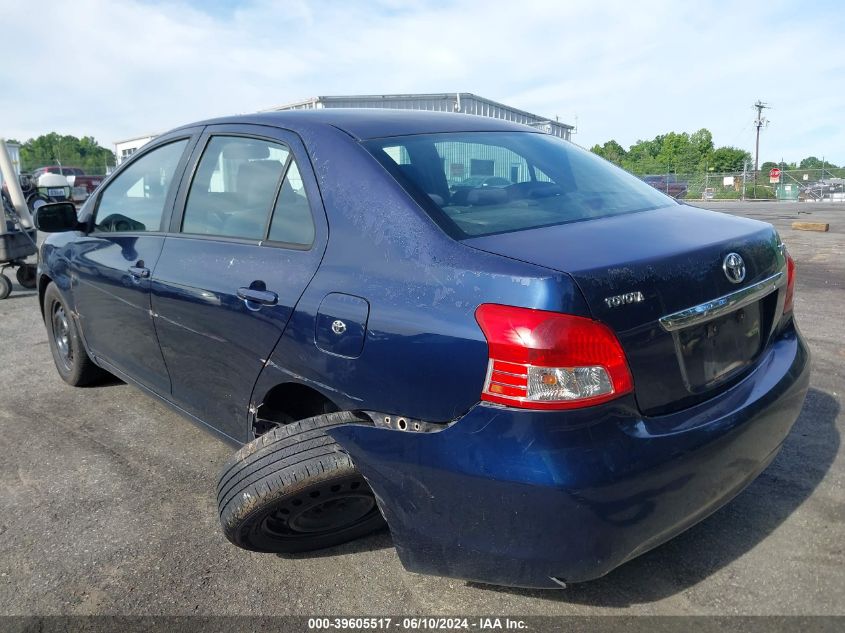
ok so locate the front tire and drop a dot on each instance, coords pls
(72, 361)
(293, 489)
(5, 287)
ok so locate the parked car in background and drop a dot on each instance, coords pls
(82, 185)
(58, 169)
(531, 385)
(832, 188)
(668, 184)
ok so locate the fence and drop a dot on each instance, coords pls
(794, 184)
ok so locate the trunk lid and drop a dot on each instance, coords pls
(673, 257)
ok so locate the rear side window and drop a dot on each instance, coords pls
(235, 187)
(481, 183)
(134, 200)
(292, 222)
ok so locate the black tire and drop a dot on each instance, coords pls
(26, 276)
(294, 489)
(72, 361)
(5, 287)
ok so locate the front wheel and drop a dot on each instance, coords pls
(5, 287)
(72, 361)
(293, 489)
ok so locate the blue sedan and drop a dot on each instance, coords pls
(529, 384)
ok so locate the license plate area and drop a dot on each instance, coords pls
(716, 350)
(56, 193)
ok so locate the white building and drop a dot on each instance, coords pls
(125, 149)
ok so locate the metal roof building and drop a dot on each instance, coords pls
(460, 102)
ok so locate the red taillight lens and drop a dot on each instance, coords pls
(790, 284)
(548, 360)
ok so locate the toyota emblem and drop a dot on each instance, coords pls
(734, 268)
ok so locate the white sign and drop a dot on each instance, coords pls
(806, 176)
(728, 181)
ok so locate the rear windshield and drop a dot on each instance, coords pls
(481, 183)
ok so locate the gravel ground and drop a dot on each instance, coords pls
(108, 502)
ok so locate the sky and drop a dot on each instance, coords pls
(622, 70)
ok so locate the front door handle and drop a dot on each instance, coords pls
(263, 297)
(139, 272)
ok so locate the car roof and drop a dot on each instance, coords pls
(368, 123)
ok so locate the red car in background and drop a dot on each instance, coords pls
(668, 184)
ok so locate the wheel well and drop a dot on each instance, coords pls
(288, 403)
(43, 282)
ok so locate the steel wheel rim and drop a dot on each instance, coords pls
(333, 514)
(61, 335)
(322, 511)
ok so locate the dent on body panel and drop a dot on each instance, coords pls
(56, 253)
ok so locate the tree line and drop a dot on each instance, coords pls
(683, 153)
(67, 150)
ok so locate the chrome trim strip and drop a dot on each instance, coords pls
(717, 307)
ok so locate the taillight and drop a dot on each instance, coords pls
(790, 283)
(549, 360)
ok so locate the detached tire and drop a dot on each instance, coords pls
(293, 489)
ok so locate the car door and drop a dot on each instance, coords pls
(248, 239)
(111, 266)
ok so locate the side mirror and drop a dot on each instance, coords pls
(56, 217)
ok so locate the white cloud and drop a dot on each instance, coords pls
(628, 70)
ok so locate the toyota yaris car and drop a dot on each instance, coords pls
(529, 384)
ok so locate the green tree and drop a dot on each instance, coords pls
(675, 155)
(70, 151)
(702, 144)
(642, 157)
(680, 153)
(811, 162)
(611, 151)
(729, 159)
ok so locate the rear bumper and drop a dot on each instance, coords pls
(514, 497)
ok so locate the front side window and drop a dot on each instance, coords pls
(481, 183)
(134, 200)
(235, 187)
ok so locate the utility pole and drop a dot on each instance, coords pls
(759, 122)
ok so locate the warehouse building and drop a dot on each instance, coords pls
(458, 102)
(481, 163)
(462, 163)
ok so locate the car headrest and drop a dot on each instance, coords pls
(257, 181)
(244, 150)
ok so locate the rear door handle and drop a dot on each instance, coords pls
(263, 297)
(139, 271)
